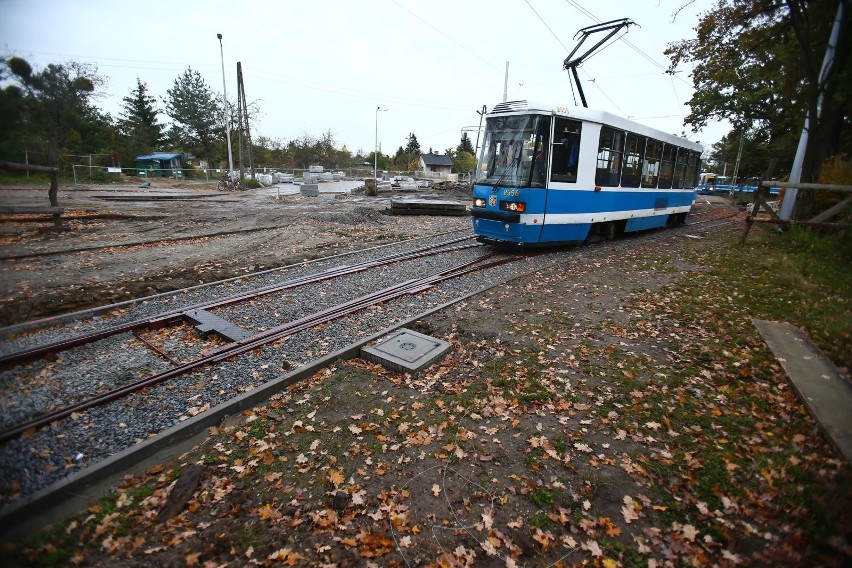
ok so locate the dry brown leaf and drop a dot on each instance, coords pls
(374, 545)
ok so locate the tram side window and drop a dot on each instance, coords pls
(566, 150)
(691, 170)
(610, 150)
(680, 169)
(667, 166)
(651, 167)
(634, 152)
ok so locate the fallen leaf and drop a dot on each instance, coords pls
(374, 545)
(287, 556)
(593, 547)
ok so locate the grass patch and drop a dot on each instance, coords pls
(541, 497)
(540, 521)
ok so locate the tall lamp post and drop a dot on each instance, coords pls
(225, 109)
(376, 152)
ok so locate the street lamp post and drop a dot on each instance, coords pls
(225, 109)
(376, 152)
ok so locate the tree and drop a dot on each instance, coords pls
(196, 113)
(139, 128)
(381, 160)
(55, 103)
(12, 109)
(413, 146)
(723, 155)
(757, 64)
(305, 150)
(464, 162)
(465, 144)
(270, 152)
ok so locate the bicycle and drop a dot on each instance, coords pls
(228, 184)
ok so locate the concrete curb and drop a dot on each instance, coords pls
(816, 379)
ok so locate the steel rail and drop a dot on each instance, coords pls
(258, 340)
(703, 221)
(175, 316)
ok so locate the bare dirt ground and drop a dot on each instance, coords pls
(112, 250)
(617, 409)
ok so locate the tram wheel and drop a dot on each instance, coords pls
(610, 230)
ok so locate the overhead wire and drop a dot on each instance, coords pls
(461, 45)
(356, 93)
(677, 100)
(642, 53)
(546, 26)
(98, 59)
(594, 82)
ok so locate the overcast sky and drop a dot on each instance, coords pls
(321, 65)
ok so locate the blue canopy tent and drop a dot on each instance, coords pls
(159, 164)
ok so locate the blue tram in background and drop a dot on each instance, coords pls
(550, 175)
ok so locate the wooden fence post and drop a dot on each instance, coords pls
(758, 199)
(54, 183)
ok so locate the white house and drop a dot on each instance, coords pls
(436, 166)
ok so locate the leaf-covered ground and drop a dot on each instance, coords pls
(619, 411)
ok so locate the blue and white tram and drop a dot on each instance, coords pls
(550, 175)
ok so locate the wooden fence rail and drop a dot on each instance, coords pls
(54, 208)
(820, 220)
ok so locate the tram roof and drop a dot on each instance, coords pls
(592, 115)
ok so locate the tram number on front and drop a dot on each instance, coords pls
(511, 193)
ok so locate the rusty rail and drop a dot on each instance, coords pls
(175, 316)
(256, 341)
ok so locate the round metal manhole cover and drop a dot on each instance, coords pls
(407, 345)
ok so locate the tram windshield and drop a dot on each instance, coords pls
(514, 153)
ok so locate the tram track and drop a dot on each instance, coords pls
(196, 397)
(86, 433)
(256, 341)
(173, 316)
(133, 244)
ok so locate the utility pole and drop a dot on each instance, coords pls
(790, 194)
(242, 109)
(506, 83)
(240, 126)
(737, 162)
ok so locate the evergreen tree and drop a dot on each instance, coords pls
(413, 146)
(195, 109)
(140, 131)
(465, 144)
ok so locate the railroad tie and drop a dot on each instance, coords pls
(206, 322)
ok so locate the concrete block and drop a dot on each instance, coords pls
(406, 351)
(309, 189)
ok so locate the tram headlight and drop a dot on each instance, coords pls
(514, 206)
(478, 202)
